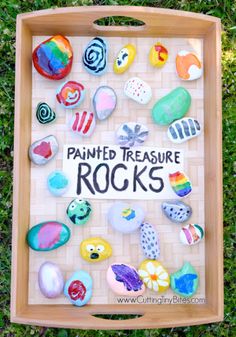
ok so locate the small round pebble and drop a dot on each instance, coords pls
(79, 211)
(50, 280)
(78, 288)
(57, 183)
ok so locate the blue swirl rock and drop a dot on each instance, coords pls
(95, 57)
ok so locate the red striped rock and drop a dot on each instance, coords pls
(83, 123)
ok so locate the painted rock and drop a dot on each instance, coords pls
(176, 211)
(123, 279)
(191, 234)
(124, 59)
(184, 282)
(83, 123)
(180, 184)
(79, 211)
(70, 94)
(171, 107)
(95, 57)
(48, 235)
(53, 57)
(104, 102)
(78, 288)
(125, 218)
(188, 66)
(43, 150)
(44, 113)
(131, 134)
(154, 275)
(95, 249)
(158, 55)
(183, 129)
(50, 280)
(150, 243)
(138, 90)
(57, 183)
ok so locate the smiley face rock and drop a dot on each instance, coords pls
(188, 66)
(158, 55)
(79, 211)
(95, 249)
(70, 94)
(124, 59)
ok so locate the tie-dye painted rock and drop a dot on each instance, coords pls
(124, 59)
(188, 66)
(191, 234)
(154, 275)
(131, 134)
(44, 113)
(50, 280)
(48, 235)
(79, 288)
(123, 279)
(138, 90)
(183, 129)
(149, 240)
(95, 57)
(177, 211)
(57, 183)
(43, 150)
(95, 249)
(53, 57)
(83, 123)
(184, 282)
(158, 55)
(180, 184)
(70, 94)
(79, 211)
(171, 107)
(104, 102)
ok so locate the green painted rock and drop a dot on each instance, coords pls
(184, 282)
(171, 107)
(48, 235)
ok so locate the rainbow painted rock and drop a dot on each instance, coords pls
(95, 57)
(184, 282)
(83, 123)
(124, 59)
(44, 113)
(95, 249)
(48, 235)
(57, 183)
(70, 94)
(154, 275)
(188, 66)
(183, 129)
(180, 184)
(43, 150)
(138, 90)
(177, 211)
(171, 107)
(158, 55)
(191, 234)
(131, 134)
(78, 288)
(79, 211)
(53, 57)
(149, 240)
(50, 280)
(123, 279)
(104, 102)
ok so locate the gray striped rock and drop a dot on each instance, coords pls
(176, 211)
(183, 129)
(149, 240)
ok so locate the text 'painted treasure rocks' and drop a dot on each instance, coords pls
(57, 183)
(53, 57)
(78, 288)
(43, 150)
(149, 240)
(138, 90)
(95, 249)
(154, 275)
(158, 55)
(191, 234)
(79, 211)
(83, 123)
(44, 113)
(50, 280)
(180, 184)
(184, 282)
(70, 94)
(188, 66)
(177, 211)
(131, 134)
(95, 57)
(124, 59)
(183, 129)
(104, 102)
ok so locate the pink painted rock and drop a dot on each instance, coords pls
(104, 102)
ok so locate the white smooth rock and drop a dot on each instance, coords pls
(138, 90)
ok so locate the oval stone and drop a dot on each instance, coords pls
(48, 235)
(57, 183)
(131, 134)
(180, 184)
(83, 123)
(95, 57)
(158, 55)
(191, 234)
(70, 94)
(176, 211)
(171, 107)
(184, 282)
(95, 249)
(188, 66)
(50, 280)
(183, 129)
(124, 59)
(138, 90)
(154, 275)
(44, 113)
(149, 240)
(78, 288)
(43, 150)
(104, 102)
(79, 211)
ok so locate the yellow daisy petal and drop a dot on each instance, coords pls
(155, 286)
(150, 268)
(162, 283)
(163, 276)
(149, 284)
(159, 270)
(142, 273)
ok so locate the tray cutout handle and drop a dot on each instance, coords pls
(119, 321)
(131, 23)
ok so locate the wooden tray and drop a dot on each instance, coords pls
(158, 24)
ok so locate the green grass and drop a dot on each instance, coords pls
(226, 10)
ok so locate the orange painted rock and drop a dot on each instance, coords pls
(188, 66)
(158, 55)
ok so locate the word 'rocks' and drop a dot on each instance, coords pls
(184, 129)
(188, 66)
(150, 242)
(131, 134)
(78, 288)
(138, 90)
(44, 113)
(124, 59)
(180, 184)
(95, 249)
(191, 234)
(154, 275)
(158, 55)
(95, 57)
(70, 94)
(104, 102)
(50, 280)
(184, 282)
(83, 123)
(79, 211)
(177, 211)
(43, 150)
(57, 183)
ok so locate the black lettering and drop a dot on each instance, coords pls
(137, 179)
(168, 156)
(113, 172)
(70, 151)
(177, 159)
(95, 180)
(83, 176)
(153, 157)
(156, 178)
(112, 154)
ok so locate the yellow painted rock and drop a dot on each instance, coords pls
(95, 249)
(154, 275)
(124, 59)
(158, 55)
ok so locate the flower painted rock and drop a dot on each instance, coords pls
(124, 59)
(53, 57)
(50, 280)
(95, 57)
(70, 94)
(171, 107)
(79, 211)
(184, 282)
(57, 183)
(131, 134)
(78, 288)
(180, 184)
(183, 129)
(43, 150)
(123, 279)
(154, 275)
(149, 239)
(138, 90)
(191, 234)
(158, 55)
(83, 123)
(48, 235)
(44, 113)
(104, 102)
(188, 66)
(125, 218)
(177, 211)
(95, 249)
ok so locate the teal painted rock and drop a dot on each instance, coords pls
(57, 183)
(171, 107)
(78, 288)
(44, 113)
(48, 235)
(184, 282)
(79, 211)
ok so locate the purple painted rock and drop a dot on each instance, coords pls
(50, 280)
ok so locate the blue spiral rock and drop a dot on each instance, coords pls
(95, 57)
